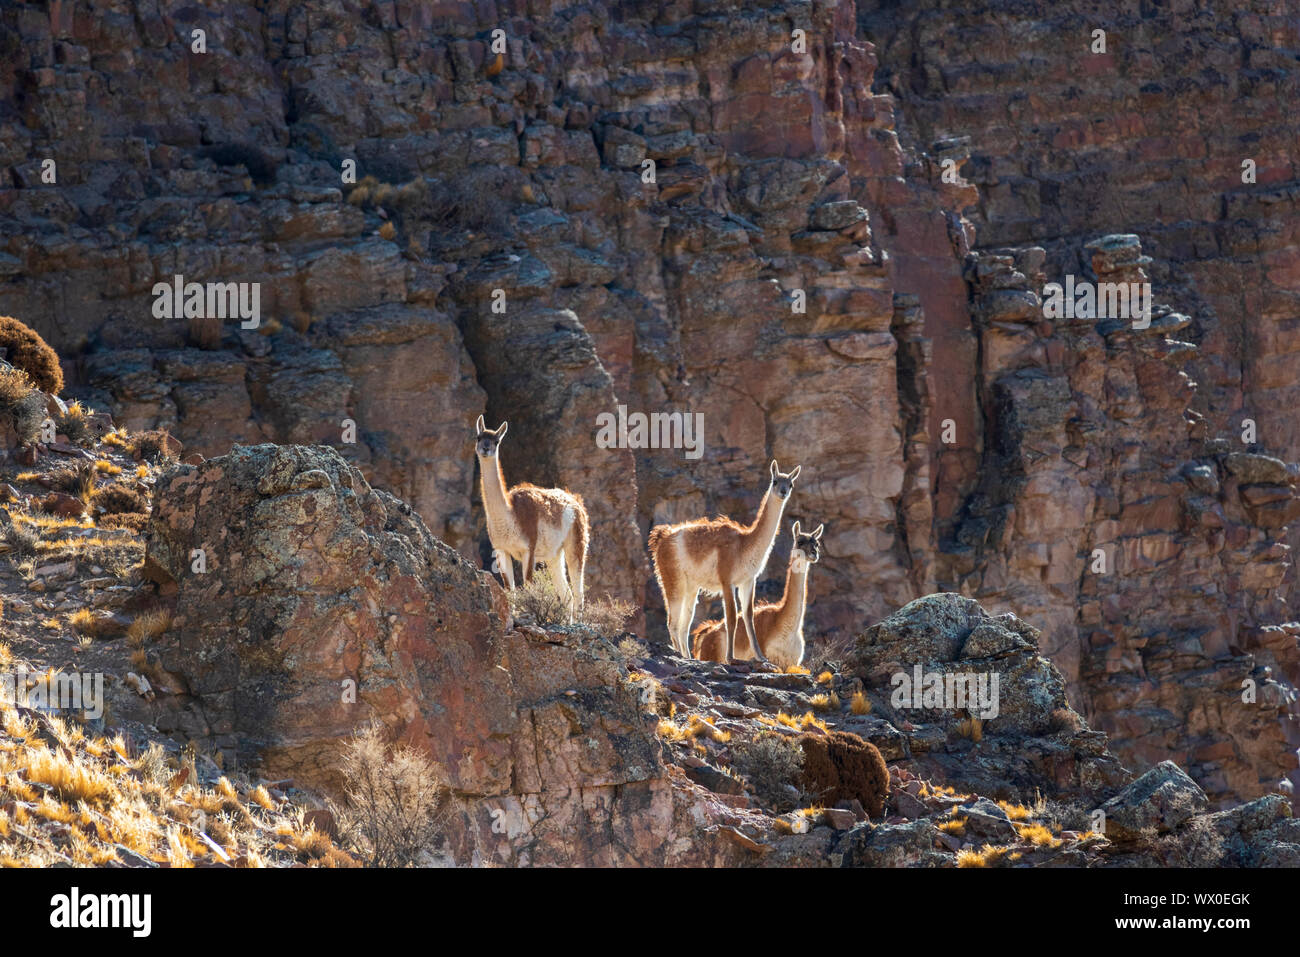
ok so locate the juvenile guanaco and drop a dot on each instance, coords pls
(780, 624)
(531, 525)
(717, 556)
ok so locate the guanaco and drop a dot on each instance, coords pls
(780, 624)
(717, 556)
(532, 525)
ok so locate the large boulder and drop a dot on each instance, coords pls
(1033, 740)
(321, 604)
(1158, 802)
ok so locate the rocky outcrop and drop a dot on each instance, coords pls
(306, 604)
(797, 271)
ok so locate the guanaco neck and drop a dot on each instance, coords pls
(789, 614)
(760, 535)
(495, 502)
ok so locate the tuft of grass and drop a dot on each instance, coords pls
(972, 728)
(1038, 835)
(860, 703)
(1017, 812)
(148, 626)
(76, 424)
(987, 856)
(153, 447)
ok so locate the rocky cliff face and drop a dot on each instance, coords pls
(794, 272)
(324, 603)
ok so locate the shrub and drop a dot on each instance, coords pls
(119, 499)
(771, 764)
(841, 766)
(474, 201)
(22, 541)
(154, 446)
(25, 350)
(129, 520)
(21, 404)
(396, 805)
(538, 602)
(76, 424)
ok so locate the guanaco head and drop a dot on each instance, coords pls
(486, 446)
(783, 482)
(807, 546)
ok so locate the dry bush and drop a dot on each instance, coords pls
(607, 616)
(24, 349)
(120, 499)
(22, 541)
(474, 200)
(538, 603)
(128, 520)
(841, 766)
(771, 764)
(830, 649)
(76, 424)
(396, 804)
(21, 403)
(152, 446)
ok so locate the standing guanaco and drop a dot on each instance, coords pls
(531, 525)
(780, 624)
(718, 556)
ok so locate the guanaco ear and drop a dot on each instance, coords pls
(501, 432)
(818, 534)
(795, 474)
(794, 529)
(478, 426)
(774, 469)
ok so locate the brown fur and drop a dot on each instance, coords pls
(737, 554)
(841, 766)
(534, 506)
(709, 639)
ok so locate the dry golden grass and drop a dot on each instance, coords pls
(860, 703)
(148, 626)
(696, 725)
(94, 792)
(1038, 835)
(954, 826)
(986, 856)
(825, 678)
(826, 702)
(1016, 812)
(972, 728)
(797, 670)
